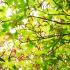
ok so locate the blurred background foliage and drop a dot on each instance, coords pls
(34, 34)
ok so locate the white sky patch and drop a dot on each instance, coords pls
(25, 21)
(20, 27)
(31, 56)
(34, 13)
(8, 45)
(44, 5)
(20, 37)
(13, 30)
(20, 68)
(1, 2)
(36, 23)
(43, 34)
(2, 49)
(9, 12)
(26, 62)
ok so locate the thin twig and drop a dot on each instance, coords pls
(45, 20)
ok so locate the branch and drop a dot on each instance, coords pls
(56, 35)
(45, 20)
(58, 14)
(1, 59)
(48, 36)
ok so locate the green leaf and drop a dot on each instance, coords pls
(31, 44)
(5, 26)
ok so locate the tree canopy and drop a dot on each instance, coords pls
(35, 34)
